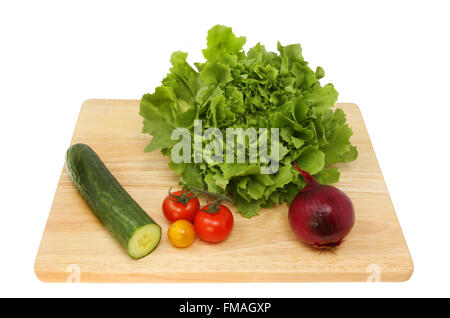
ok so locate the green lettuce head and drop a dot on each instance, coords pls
(256, 90)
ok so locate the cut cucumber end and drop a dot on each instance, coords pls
(144, 240)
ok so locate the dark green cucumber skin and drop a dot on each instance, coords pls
(107, 199)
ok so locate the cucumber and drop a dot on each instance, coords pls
(110, 203)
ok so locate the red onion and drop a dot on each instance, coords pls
(320, 215)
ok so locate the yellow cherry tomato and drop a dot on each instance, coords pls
(181, 233)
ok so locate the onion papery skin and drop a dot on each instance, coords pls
(321, 215)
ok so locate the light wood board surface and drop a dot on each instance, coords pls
(75, 246)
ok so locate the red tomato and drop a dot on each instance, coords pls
(215, 227)
(175, 210)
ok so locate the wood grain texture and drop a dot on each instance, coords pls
(260, 249)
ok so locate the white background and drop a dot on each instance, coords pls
(390, 57)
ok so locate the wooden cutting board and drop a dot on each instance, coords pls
(75, 246)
